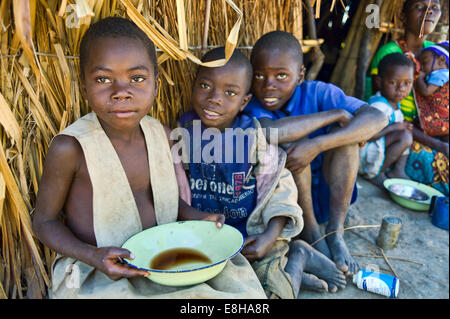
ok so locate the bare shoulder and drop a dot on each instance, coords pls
(64, 150)
(63, 161)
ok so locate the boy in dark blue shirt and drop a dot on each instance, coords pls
(325, 164)
(233, 171)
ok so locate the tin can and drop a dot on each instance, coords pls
(389, 231)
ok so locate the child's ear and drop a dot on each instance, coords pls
(442, 61)
(245, 101)
(377, 80)
(301, 74)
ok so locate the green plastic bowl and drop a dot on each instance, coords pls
(218, 244)
(420, 205)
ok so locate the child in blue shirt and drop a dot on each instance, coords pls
(232, 170)
(390, 146)
(325, 164)
(435, 73)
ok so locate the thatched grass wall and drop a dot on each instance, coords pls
(40, 91)
(40, 94)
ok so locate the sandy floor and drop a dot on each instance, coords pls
(419, 241)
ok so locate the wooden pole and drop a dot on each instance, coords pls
(317, 56)
(363, 62)
(206, 27)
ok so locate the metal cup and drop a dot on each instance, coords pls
(388, 235)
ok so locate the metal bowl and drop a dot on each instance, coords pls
(219, 245)
(410, 194)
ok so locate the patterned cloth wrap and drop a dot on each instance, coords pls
(433, 109)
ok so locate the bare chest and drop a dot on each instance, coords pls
(79, 204)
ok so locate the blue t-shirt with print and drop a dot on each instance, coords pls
(220, 169)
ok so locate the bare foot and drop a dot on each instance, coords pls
(319, 265)
(311, 282)
(378, 181)
(311, 235)
(340, 253)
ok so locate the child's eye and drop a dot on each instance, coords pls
(102, 79)
(282, 76)
(204, 86)
(259, 76)
(137, 79)
(230, 93)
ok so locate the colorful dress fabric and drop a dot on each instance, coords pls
(428, 166)
(434, 112)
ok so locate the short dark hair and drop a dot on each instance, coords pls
(406, 4)
(392, 60)
(237, 59)
(115, 27)
(280, 40)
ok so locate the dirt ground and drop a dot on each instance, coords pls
(419, 241)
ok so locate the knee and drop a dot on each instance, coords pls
(350, 151)
(299, 246)
(406, 138)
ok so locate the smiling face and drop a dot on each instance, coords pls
(276, 74)
(220, 94)
(397, 83)
(415, 13)
(119, 82)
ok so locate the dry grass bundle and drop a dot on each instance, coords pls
(40, 93)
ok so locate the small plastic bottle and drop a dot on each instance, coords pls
(378, 283)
